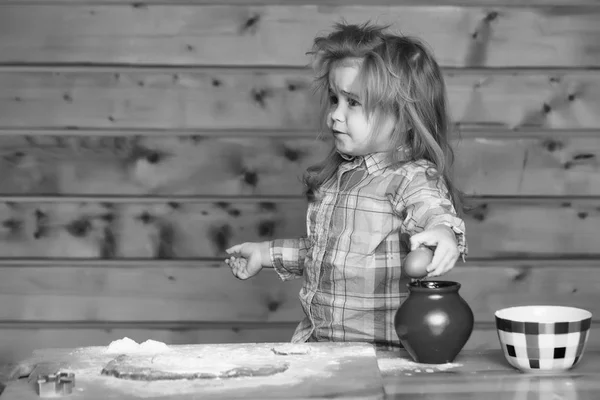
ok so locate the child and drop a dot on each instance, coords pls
(386, 179)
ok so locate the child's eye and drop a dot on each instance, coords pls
(353, 103)
(333, 99)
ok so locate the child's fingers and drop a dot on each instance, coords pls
(436, 262)
(452, 262)
(424, 238)
(237, 271)
(241, 273)
(439, 255)
(239, 267)
(437, 271)
(446, 264)
(230, 261)
(234, 249)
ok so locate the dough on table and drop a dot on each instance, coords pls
(172, 366)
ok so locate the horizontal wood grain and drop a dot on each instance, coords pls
(495, 227)
(280, 34)
(317, 2)
(17, 344)
(466, 132)
(272, 99)
(168, 294)
(180, 296)
(230, 166)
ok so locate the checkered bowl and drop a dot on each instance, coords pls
(543, 338)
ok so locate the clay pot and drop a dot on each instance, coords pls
(434, 322)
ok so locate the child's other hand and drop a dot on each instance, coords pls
(446, 248)
(246, 260)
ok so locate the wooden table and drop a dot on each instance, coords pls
(485, 375)
(477, 375)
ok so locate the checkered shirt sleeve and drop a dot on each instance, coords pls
(424, 203)
(287, 256)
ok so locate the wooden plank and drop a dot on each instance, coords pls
(354, 376)
(488, 375)
(466, 132)
(495, 228)
(166, 294)
(501, 229)
(552, 285)
(273, 99)
(498, 3)
(157, 165)
(280, 34)
(229, 166)
(187, 296)
(528, 167)
(16, 344)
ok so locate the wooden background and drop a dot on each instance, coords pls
(138, 140)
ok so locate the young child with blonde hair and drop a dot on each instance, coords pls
(384, 189)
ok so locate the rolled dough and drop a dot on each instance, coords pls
(177, 366)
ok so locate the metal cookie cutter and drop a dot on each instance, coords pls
(51, 385)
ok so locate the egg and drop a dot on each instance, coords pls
(416, 261)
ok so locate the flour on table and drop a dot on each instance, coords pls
(153, 346)
(291, 349)
(124, 345)
(403, 364)
(244, 367)
(127, 345)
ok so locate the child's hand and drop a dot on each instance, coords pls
(247, 259)
(446, 248)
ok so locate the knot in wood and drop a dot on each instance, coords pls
(546, 108)
(268, 206)
(273, 305)
(251, 178)
(11, 224)
(153, 157)
(259, 96)
(146, 218)
(492, 15)
(251, 23)
(552, 145)
(291, 154)
(80, 227)
(266, 228)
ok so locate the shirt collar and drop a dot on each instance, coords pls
(376, 162)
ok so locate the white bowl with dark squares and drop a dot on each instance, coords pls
(543, 338)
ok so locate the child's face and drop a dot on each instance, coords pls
(352, 129)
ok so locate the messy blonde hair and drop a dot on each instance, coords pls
(399, 77)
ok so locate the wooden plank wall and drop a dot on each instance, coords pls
(139, 140)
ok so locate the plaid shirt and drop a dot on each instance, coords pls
(357, 235)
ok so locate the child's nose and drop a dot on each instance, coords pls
(338, 114)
